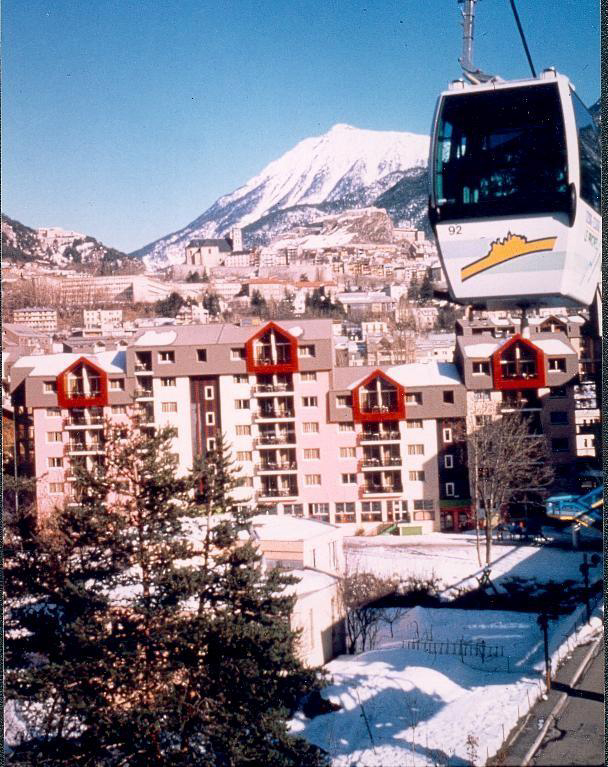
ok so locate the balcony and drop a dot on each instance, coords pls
(382, 489)
(272, 414)
(277, 492)
(85, 422)
(95, 446)
(378, 436)
(371, 462)
(270, 389)
(274, 439)
(142, 368)
(277, 466)
(143, 394)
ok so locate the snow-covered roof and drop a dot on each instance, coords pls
(310, 581)
(425, 374)
(273, 527)
(54, 364)
(480, 350)
(156, 338)
(554, 346)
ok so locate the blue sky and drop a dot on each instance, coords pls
(126, 119)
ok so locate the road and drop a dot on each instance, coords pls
(577, 737)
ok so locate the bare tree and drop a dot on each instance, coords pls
(357, 592)
(506, 459)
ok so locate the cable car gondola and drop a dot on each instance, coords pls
(515, 193)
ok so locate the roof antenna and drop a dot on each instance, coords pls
(474, 76)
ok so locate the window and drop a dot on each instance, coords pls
(117, 384)
(119, 410)
(559, 417)
(424, 504)
(347, 426)
(371, 511)
(241, 404)
(449, 489)
(415, 449)
(201, 355)
(481, 368)
(415, 423)
(448, 397)
(447, 434)
(294, 509)
(55, 488)
(558, 391)
(55, 463)
(557, 364)
(168, 382)
(308, 376)
(560, 445)
(344, 400)
(306, 351)
(166, 356)
(210, 419)
(54, 436)
(345, 508)
(312, 454)
(416, 476)
(211, 443)
(49, 387)
(53, 412)
(481, 420)
(244, 455)
(243, 430)
(237, 354)
(420, 516)
(348, 452)
(312, 479)
(590, 155)
(349, 479)
(209, 392)
(309, 401)
(501, 153)
(240, 379)
(413, 398)
(310, 427)
(169, 407)
(318, 509)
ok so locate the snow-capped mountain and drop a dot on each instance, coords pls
(346, 167)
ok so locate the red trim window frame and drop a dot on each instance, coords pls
(66, 401)
(289, 367)
(360, 416)
(536, 381)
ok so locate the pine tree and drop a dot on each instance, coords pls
(142, 629)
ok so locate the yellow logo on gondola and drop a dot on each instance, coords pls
(513, 246)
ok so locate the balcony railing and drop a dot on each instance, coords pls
(285, 438)
(274, 413)
(82, 447)
(143, 394)
(386, 436)
(141, 367)
(278, 466)
(274, 492)
(84, 421)
(369, 463)
(280, 388)
(377, 489)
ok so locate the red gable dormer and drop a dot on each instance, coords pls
(82, 384)
(518, 364)
(378, 398)
(272, 350)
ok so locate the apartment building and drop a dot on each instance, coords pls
(37, 317)
(341, 445)
(344, 445)
(100, 318)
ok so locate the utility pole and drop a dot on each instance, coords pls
(468, 18)
(543, 622)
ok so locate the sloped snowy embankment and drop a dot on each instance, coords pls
(405, 706)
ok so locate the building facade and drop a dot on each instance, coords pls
(37, 317)
(346, 445)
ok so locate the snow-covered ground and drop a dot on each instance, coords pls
(402, 706)
(452, 559)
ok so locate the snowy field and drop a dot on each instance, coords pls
(453, 559)
(403, 706)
